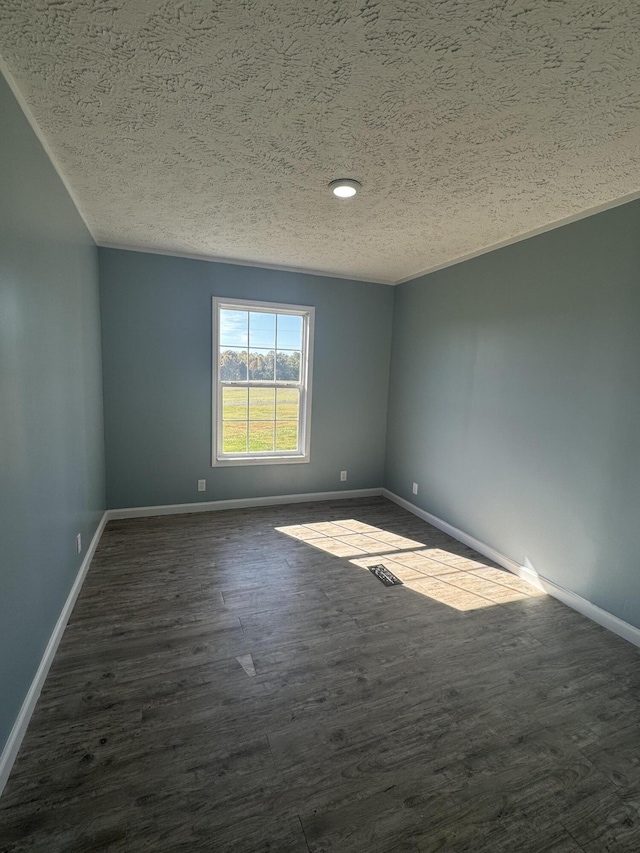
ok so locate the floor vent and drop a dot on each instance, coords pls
(383, 574)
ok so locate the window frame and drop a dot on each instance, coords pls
(262, 457)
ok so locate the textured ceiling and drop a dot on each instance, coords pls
(213, 128)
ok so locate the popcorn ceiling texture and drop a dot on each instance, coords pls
(214, 127)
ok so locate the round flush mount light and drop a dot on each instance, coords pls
(344, 187)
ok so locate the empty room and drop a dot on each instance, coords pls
(319, 426)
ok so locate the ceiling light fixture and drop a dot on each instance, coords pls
(344, 187)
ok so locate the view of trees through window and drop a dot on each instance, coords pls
(260, 373)
(262, 366)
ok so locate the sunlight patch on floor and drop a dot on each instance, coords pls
(460, 583)
(441, 575)
(348, 538)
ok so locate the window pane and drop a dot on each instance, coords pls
(234, 437)
(261, 381)
(287, 404)
(261, 365)
(234, 404)
(287, 435)
(288, 365)
(260, 435)
(289, 332)
(262, 331)
(262, 404)
(233, 328)
(233, 365)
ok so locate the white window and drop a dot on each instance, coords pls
(262, 360)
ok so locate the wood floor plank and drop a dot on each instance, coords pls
(463, 711)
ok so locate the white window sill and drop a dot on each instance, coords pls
(228, 461)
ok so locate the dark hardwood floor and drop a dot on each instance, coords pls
(224, 685)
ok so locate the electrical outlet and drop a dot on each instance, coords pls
(79, 543)
(343, 476)
(414, 488)
(202, 485)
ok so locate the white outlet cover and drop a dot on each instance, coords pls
(202, 485)
(343, 476)
(415, 488)
(79, 543)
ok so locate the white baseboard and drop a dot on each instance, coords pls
(576, 602)
(571, 599)
(12, 746)
(238, 503)
(455, 532)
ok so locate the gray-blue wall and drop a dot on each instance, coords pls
(515, 403)
(514, 398)
(156, 332)
(51, 439)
